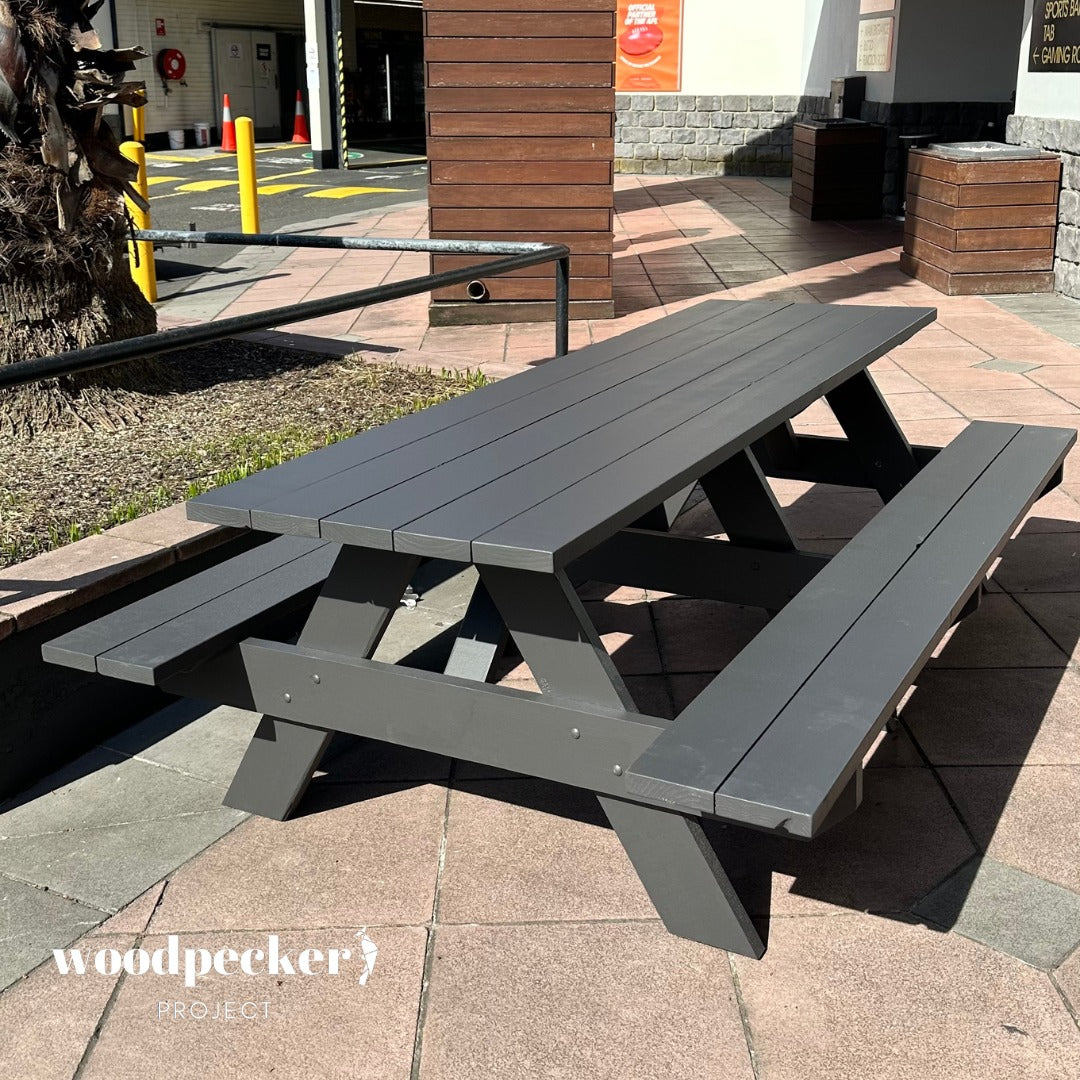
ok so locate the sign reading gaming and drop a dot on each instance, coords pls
(1055, 36)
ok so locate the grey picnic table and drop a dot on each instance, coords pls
(572, 471)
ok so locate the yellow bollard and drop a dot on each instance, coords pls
(138, 123)
(245, 164)
(141, 252)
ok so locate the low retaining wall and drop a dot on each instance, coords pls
(48, 714)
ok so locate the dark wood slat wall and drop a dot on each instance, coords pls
(521, 140)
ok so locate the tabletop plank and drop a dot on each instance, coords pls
(464, 497)
(501, 429)
(570, 522)
(474, 515)
(233, 503)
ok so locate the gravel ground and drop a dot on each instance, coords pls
(233, 402)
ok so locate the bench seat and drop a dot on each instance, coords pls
(779, 735)
(172, 631)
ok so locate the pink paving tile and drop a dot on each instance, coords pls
(1058, 614)
(997, 716)
(134, 917)
(1068, 978)
(856, 996)
(318, 1026)
(573, 1001)
(1025, 817)
(999, 634)
(920, 406)
(1041, 562)
(982, 404)
(526, 850)
(627, 633)
(355, 854)
(922, 358)
(702, 635)
(47, 1019)
(893, 849)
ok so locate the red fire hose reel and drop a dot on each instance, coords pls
(171, 64)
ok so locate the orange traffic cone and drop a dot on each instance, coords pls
(228, 129)
(300, 131)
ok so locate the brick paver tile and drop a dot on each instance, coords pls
(856, 996)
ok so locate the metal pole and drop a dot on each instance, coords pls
(99, 356)
(245, 164)
(562, 306)
(140, 252)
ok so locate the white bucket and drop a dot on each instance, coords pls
(176, 138)
(202, 134)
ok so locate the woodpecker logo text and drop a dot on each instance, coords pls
(170, 959)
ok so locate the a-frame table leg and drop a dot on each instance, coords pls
(670, 851)
(349, 617)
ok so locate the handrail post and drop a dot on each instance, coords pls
(141, 252)
(245, 164)
(562, 306)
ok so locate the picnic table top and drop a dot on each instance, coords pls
(533, 471)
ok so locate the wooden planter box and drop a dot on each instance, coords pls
(521, 143)
(981, 226)
(837, 169)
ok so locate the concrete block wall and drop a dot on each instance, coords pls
(722, 135)
(1062, 137)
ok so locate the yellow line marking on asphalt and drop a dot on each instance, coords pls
(277, 189)
(151, 180)
(282, 176)
(207, 185)
(345, 192)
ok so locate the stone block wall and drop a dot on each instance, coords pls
(1061, 137)
(729, 135)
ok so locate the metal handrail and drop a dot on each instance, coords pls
(517, 255)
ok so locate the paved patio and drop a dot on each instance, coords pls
(933, 933)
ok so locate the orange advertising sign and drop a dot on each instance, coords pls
(648, 46)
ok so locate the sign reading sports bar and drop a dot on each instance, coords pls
(1055, 36)
(648, 54)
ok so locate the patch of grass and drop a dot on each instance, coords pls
(193, 469)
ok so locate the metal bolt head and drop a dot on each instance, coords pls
(617, 770)
(575, 733)
(287, 696)
(316, 678)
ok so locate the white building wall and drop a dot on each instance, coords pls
(188, 29)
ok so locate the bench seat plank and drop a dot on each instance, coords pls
(79, 648)
(233, 503)
(932, 546)
(803, 760)
(172, 630)
(579, 515)
(427, 472)
(465, 497)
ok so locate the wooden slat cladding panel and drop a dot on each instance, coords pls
(520, 50)
(521, 102)
(981, 226)
(518, 23)
(521, 172)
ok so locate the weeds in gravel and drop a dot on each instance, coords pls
(243, 454)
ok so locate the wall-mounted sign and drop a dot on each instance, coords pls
(236, 50)
(1055, 36)
(648, 46)
(159, 27)
(874, 51)
(262, 51)
(870, 7)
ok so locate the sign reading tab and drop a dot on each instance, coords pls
(1055, 36)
